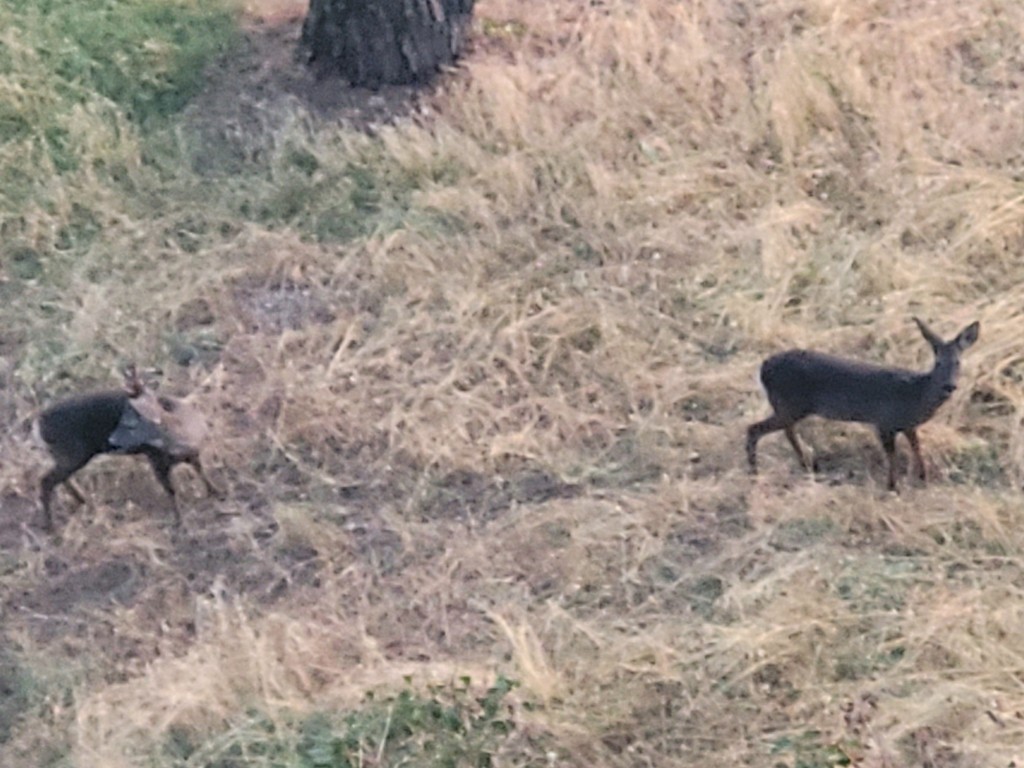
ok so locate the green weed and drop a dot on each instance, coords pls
(441, 726)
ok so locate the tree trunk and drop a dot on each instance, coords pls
(378, 42)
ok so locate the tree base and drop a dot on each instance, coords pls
(385, 42)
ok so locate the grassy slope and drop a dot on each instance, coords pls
(488, 373)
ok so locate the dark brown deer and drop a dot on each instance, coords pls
(132, 421)
(801, 383)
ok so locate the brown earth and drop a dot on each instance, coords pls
(123, 553)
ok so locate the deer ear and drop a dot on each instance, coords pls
(928, 333)
(133, 385)
(968, 335)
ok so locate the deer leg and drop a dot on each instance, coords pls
(915, 446)
(791, 434)
(75, 491)
(46, 486)
(197, 465)
(772, 424)
(889, 446)
(61, 473)
(755, 432)
(162, 469)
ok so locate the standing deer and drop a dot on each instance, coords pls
(165, 430)
(802, 383)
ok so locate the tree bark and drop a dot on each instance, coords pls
(378, 42)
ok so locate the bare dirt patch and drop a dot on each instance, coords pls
(259, 86)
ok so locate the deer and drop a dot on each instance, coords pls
(130, 421)
(801, 383)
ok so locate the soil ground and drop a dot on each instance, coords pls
(116, 556)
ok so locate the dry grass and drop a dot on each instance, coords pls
(495, 427)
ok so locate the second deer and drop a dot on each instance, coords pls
(801, 383)
(166, 430)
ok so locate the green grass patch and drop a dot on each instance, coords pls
(810, 749)
(878, 584)
(795, 535)
(77, 81)
(16, 692)
(146, 56)
(441, 725)
(978, 464)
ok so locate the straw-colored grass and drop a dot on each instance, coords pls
(479, 380)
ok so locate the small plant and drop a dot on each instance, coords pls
(446, 726)
(442, 727)
(16, 688)
(809, 750)
(978, 464)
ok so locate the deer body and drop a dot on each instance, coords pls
(166, 431)
(801, 383)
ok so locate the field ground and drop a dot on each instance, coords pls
(479, 363)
